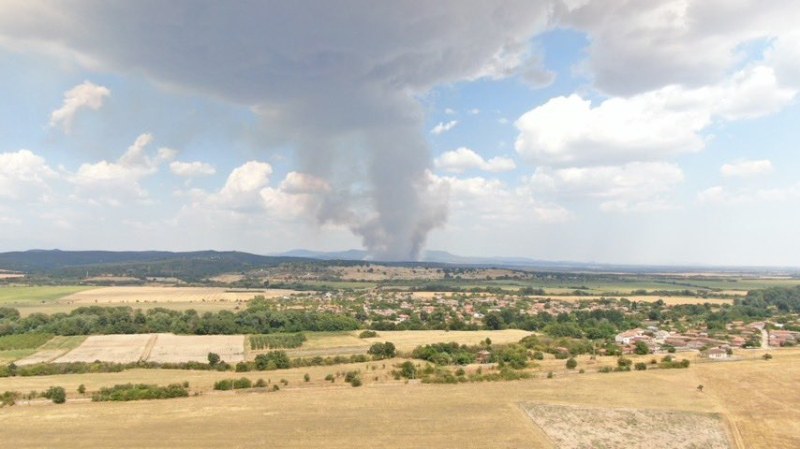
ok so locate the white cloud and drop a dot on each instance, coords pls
(462, 159)
(449, 111)
(113, 182)
(474, 111)
(23, 173)
(83, 96)
(443, 127)
(191, 169)
(496, 203)
(633, 186)
(746, 168)
(664, 42)
(649, 126)
(725, 196)
(296, 182)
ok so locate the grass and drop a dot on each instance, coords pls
(390, 413)
(13, 355)
(23, 341)
(25, 296)
(63, 342)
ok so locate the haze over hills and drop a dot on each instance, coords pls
(209, 263)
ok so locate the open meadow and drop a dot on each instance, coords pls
(392, 413)
(63, 299)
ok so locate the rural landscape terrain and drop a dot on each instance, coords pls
(192, 348)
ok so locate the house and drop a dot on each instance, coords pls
(628, 337)
(483, 356)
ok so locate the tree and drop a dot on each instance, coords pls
(572, 363)
(56, 394)
(213, 358)
(82, 389)
(641, 348)
(408, 370)
(384, 350)
(700, 388)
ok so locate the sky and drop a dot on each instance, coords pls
(614, 131)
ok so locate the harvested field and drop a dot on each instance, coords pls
(669, 300)
(195, 348)
(133, 295)
(52, 350)
(348, 343)
(108, 348)
(571, 427)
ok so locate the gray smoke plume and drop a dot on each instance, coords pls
(337, 81)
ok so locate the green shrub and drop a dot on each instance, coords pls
(138, 392)
(368, 334)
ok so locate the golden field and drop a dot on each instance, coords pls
(390, 413)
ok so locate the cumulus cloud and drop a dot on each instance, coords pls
(641, 46)
(636, 186)
(648, 126)
(721, 195)
(497, 203)
(462, 159)
(443, 127)
(113, 182)
(746, 168)
(86, 95)
(191, 169)
(248, 191)
(24, 174)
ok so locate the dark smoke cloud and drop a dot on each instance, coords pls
(338, 81)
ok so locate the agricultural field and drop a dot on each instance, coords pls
(17, 296)
(168, 295)
(109, 348)
(347, 343)
(572, 427)
(51, 350)
(195, 348)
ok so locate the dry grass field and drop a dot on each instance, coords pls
(52, 350)
(390, 413)
(166, 295)
(669, 300)
(348, 343)
(108, 348)
(571, 427)
(195, 348)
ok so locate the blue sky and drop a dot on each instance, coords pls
(627, 132)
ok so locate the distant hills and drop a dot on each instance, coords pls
(198, 265)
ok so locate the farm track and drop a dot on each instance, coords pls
(148, 348)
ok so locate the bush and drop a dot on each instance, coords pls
(384, 350)
(368, 334)
(272, 360)
(242, 367)
(241, 383)
(82, 389)
(330, 378)
(605, 369)
(408, 370)
(767, 356)
(137, 392)
(56, 394)
(260, 383)
(306, 377)
(572, 363)
(223, 385)
(641, 366)
(8, 398)
(538, 355)
(213, 358)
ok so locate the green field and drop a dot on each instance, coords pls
(26, 296)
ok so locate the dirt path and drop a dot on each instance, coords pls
(148, 348)
(764, 339)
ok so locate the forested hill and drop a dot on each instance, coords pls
(136, 263)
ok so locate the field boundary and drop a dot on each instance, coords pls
(537, 429)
